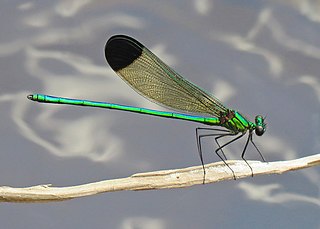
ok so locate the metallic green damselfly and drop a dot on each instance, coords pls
(156, 81)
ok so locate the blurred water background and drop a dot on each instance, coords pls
(259, 57)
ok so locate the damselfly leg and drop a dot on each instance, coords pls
(219, 134)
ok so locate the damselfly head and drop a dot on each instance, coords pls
(260, 125)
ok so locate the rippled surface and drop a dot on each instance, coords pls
(259, 58)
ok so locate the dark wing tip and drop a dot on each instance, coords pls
(121, 51)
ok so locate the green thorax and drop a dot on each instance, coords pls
(235, 122)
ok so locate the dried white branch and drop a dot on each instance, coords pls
(175, 178)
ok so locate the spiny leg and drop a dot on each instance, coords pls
(221, 147)
(224, 145)
(228, 133)
(200, 154)
(257, 148)
(216, 140)
(198, 136)
(244, 150)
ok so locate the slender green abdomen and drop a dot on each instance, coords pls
(77, 102)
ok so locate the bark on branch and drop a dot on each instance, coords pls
(175, 178)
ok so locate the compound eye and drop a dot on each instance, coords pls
(259, 130)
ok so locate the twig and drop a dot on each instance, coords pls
(175, 178)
